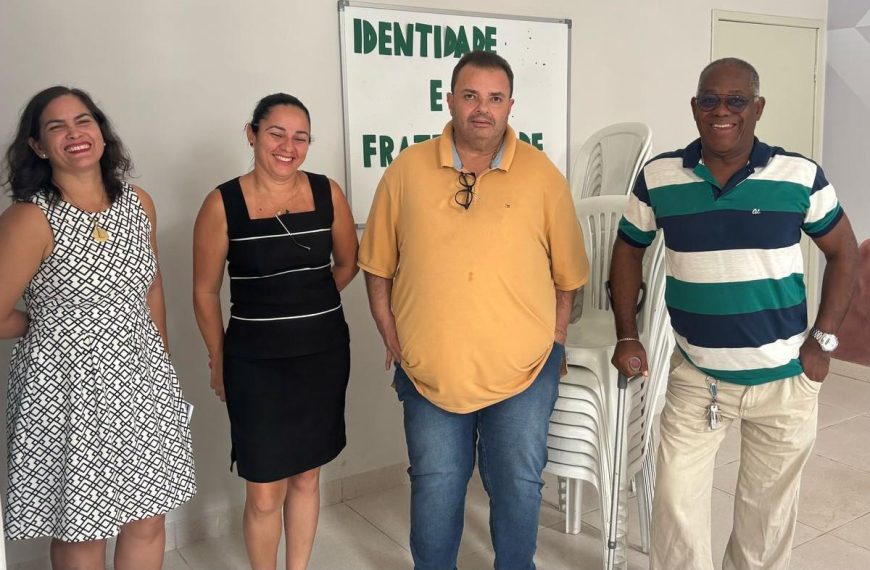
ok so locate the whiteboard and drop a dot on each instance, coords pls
(396, 67)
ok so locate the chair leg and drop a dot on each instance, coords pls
(646, 480)
(573, 501)
(642, 513)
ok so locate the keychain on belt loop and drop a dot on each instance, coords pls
(713, 408)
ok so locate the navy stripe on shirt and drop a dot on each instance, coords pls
(742, 330)
(730, 229)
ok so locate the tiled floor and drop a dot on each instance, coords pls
(371, 532)
(833, 531)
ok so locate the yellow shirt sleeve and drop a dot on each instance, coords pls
(570, 266)
(379, 247)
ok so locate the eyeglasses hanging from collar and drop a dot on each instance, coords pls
(466, 194)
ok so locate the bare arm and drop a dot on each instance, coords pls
(380, 292)
(155, 299)
(626, 275)
(838, 283)
(564, 303)
(344, 241)
(210, 245)
(25, 240)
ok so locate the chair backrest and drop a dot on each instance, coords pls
(610, 159)
(599, 219)
(654, 302)
(657, 336)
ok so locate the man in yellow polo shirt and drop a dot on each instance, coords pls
(472, 255)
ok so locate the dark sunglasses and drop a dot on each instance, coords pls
(735, 103)
(464, 196)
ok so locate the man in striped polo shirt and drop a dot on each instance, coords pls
(732, 210)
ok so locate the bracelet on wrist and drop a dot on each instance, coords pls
(627, 339)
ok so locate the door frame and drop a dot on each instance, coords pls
(812, 276)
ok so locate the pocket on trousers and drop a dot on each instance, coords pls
(808, 383)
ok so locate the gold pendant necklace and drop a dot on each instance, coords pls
(99, 234)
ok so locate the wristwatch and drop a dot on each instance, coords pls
(827, 341)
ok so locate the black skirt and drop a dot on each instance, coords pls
(286, 414)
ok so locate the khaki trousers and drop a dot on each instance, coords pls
(778, 429)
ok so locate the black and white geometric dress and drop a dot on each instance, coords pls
(98, 432)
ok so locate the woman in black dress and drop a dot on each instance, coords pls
(283, 363)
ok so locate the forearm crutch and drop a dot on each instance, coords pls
(634, 364)
(618, 455)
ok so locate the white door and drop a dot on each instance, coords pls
(787, 52)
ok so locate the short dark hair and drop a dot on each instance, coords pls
(265, 105)
(485, 60)
(736, 62)
(27, 174)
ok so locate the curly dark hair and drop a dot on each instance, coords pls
(27, 175)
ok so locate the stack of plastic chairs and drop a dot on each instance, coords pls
(582, 426)
(609, 160)
(579, 438)
(658, 339)
(592, 338)
(607, 165)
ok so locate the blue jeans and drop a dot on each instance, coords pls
(511, 440)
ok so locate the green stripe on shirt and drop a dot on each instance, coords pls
(636, 234)
(749, 195)
(819, 225)
(735, 298)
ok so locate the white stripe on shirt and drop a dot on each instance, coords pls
(283, 235)
(288, 318)
(771, 355)
(735, 265)
(821, 203)
(281, 272)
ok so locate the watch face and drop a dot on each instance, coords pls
(828, 342)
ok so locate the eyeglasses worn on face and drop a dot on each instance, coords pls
(735, 103)
(464, 196)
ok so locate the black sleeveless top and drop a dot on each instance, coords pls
(284, 299)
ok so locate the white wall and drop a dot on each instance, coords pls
(180, 78)
(847, 108)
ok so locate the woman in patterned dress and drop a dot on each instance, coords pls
(289, 242)
(98, 435)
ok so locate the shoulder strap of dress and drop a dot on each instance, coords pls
(322, 193)
(48, 203)
(41, 200)
(234, 205)
(128, 197)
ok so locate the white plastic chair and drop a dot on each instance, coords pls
(609, 160)
(659, 341)
(588, 350)
(582, 427)
(591, 338)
